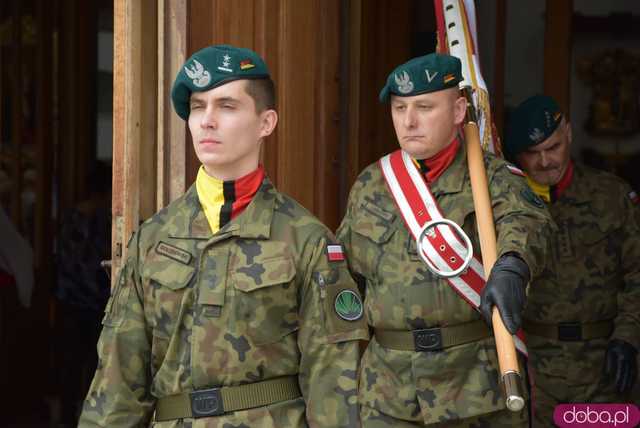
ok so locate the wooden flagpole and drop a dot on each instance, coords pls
(505, 346)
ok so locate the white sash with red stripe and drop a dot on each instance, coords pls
(442, 246)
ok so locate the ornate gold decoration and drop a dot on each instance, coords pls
(614, 76)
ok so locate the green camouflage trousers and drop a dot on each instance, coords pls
(568, 372)
(549, 391)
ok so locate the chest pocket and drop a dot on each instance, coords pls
(266, 300)
(374, 223)
(372, 229)
(174, 277)
(457, 208)
(596, 252)
(168, 281)
(593, 226)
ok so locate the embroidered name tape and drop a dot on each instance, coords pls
(175, 253)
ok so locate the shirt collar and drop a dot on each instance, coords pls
(255, 221)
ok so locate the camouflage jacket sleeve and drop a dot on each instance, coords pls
(344, 230)
(328, 340)
(627, 322)
(523, 223)
(119, 395)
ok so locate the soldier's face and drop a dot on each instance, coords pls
(227, 131)
(546, 162)
(427, 123)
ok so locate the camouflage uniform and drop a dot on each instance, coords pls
(250, 303)
(597, 278)
(458, 386)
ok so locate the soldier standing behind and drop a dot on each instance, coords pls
(583, 314)
(432, 360)
(235, 306)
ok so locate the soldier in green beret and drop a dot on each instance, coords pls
(235, 306)
(582, 319)
(432, 358)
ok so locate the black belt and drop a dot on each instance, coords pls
(432, 339)
(569, 331)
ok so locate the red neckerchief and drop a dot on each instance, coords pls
(433, 167)
(564, 182)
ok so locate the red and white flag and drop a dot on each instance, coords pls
(335, 253)
(457, 36)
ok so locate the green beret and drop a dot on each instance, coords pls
(531, 123)
(423, 74)
(211, 67)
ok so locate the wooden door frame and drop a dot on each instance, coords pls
(150, 44)
(173, 40)
(557, 52)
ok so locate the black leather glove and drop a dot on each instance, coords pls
(620, 361)
(506, 290)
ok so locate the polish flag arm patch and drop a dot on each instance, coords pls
(633, 196)
(335, 253)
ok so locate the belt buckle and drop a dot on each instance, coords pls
(427, 339)
(206, 402)
(569, 331)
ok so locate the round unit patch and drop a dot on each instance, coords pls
(348, 305)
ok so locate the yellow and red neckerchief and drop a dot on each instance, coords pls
(223, 200)
(550, 194)
(433, 167)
